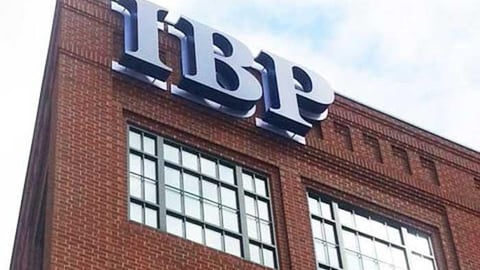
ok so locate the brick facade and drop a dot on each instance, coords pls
(74, 207)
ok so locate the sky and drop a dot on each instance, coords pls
(418, 60)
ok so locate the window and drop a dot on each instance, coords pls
(352, 239)
(201, 198)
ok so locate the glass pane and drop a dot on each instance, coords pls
(346, 217)
(135, 186)
(350, 240)
(317, 229)
(171, 153)
(150, 191)
(416, 262)
(394, 235)
(333, 256)
(211, 213)
(366, 246)
(189, 160)
(149, 145)
(369, 264)
(326, 210)
(174, 226)
(265, 232)
(383, 252)
(254, 253)
(150, 169)
(260, 187)
(250, 205)
(313, 206)
(192, 207)
(213, 239)
(422, 245)
(232, 246)
(230, 220)
(227, 174)
(136, 212)
(134, 140)
(268, 258)
(363, 223)
(329, 233)
(263, 210)
(247, 182)
(252, 228)
(194, 232)
(173, 200)
(191, 184)
(172, 177)
(208, 167)
(229, 197)
(320, 252)
(379, 229)
(384, 266)
(151, 217)
(135, 163)
(210, 191)
(427, 264)
(353, 261)
(399, 257)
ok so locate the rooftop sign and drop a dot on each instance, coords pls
(215, 71)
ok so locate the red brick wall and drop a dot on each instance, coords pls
(90, 227)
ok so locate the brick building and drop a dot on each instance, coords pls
(123, 175)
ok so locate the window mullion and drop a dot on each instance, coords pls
(409, 258)
(338, 229)
(243, 214)
(161, 186)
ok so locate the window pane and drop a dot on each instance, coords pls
(247, 182)
(211, 213)
(172, 177)
(135, 186)
(326, 210)
(333, 256)
(350, 240)
(191, 184)
(213, 239)
(313, 206)
(150, 169)
(320, 252)
(263, 210)
(192, 207)
(265, 232)
(136, 212)
(385, 266)
(353, 261)
(383, 252)
(260, 187)
(346, 217)
(150, 191)
(399, 257)
(427, 264)
(363, 224)
(317, 229)
(135, 163)
(379, 229)
(369, 264)
(250, 205)
(254, 253)
(268, 258)
(171, 153)
(329, 233)
(229, 197)
(194, 232)
(134, 140)
(252, 228)
(189, 160)
(149, 145)
(394, 235)
(175, 226)
(230, 220)
(366, 246)
(173, 200)
(419, 244)
(226, 174)
(210, 191)
(232, 246)
(208, 167)
(151, 217)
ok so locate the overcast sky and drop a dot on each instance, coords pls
(418, 60)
